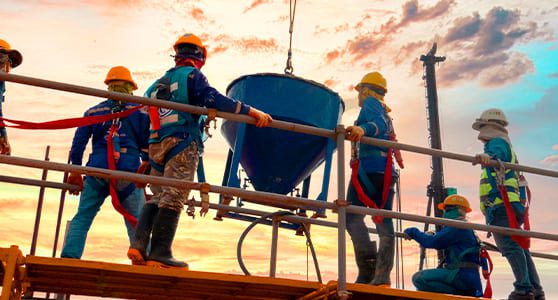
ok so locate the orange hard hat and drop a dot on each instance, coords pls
(190, 38)
(14, 55)
(456, 200)
(120, 73)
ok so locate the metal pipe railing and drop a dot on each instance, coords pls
(303, 220)
(34, 182)
(245, 119)
(341, 215)
(267, 198)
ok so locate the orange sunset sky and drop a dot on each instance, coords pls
(499, 54)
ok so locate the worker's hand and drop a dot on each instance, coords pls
(483, 159)
(355, 133)
(5, 146)
(75, 179)
(430, 232)
(143, 169)
(407, 237)
(262, 119)
(410, 233)
(204, 208)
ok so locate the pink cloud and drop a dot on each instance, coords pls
(255, 4)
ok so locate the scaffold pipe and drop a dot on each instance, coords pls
(267, 198)
(245, 119)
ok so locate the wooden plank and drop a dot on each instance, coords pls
(363, 291)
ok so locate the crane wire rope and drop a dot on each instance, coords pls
(292, 10)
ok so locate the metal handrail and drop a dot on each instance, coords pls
(246, 119)
(265, 197)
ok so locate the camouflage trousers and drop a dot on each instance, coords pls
(182, 166)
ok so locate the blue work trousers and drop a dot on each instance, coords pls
(523, 268)
(436, 281)
(89, 204)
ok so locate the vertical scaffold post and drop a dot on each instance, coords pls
(39, 207)
(274, 237)
(341, 214)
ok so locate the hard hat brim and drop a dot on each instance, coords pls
(15, 57)
(442, 206)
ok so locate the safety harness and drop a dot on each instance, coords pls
(358, 175)
(113, 143)
(165, 122)
(499, 182)
(458, 263)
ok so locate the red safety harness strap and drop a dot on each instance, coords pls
(112, 182)
(487, 268)
(523, 241)
(361, 194)
(67, 123)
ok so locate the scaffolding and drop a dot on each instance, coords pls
(18, 278)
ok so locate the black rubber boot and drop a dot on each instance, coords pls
(164, 229)
(365, 257)
(521, 296)
(384, 262)
(138, 250)
(539, 295)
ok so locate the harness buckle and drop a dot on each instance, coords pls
(500, 170)
(191, 207)
(204, 194)
(211, 114)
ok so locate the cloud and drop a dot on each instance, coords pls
(255, 4)
(224, 42)
(367, 44)
(550, 160)
(553, 75)
(198, 14)
(486, 45)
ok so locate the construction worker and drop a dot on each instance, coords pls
(493, 134)
(373, 121)
(9, 58)
(458, 273)
(175, 146)
(129, 142)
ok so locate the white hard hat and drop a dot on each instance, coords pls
(492, 116)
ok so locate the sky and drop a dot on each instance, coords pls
(498, 54)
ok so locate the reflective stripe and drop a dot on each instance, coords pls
(174, 87)
(238, 107)
(489, 195)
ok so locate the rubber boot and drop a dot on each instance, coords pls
(138, 250)
(164, 229)
(384, 262)
(365, 257)
(515, 295)
(539, 295)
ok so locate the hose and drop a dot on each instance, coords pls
(261, 220)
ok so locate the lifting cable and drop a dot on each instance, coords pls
(263, 219)
(292, 9)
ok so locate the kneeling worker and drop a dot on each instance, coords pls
(458, 272)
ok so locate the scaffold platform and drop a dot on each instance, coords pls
(101, 279)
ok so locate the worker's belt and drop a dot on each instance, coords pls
(462, 265)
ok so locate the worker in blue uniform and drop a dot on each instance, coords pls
(458, 272)
(9, 58)
(130, 145)
(373, 121)
(175, 145)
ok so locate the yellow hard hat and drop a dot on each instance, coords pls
(373, 78)
(491, 116)
(14, 55)
(190, 38)
(120, 73)
(457, 200)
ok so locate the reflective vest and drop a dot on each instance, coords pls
(489, 193)
(173, 87)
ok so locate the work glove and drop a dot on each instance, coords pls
(5, 146)
(410, 233)
(75, 179)
(355, 133)
(262, 119)
(483, 159)
(144, 169)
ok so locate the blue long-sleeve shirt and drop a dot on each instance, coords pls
(133, 138)
(453, 240)
(498, 148)
(202, 94)
(3, 132)
(376, 123)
